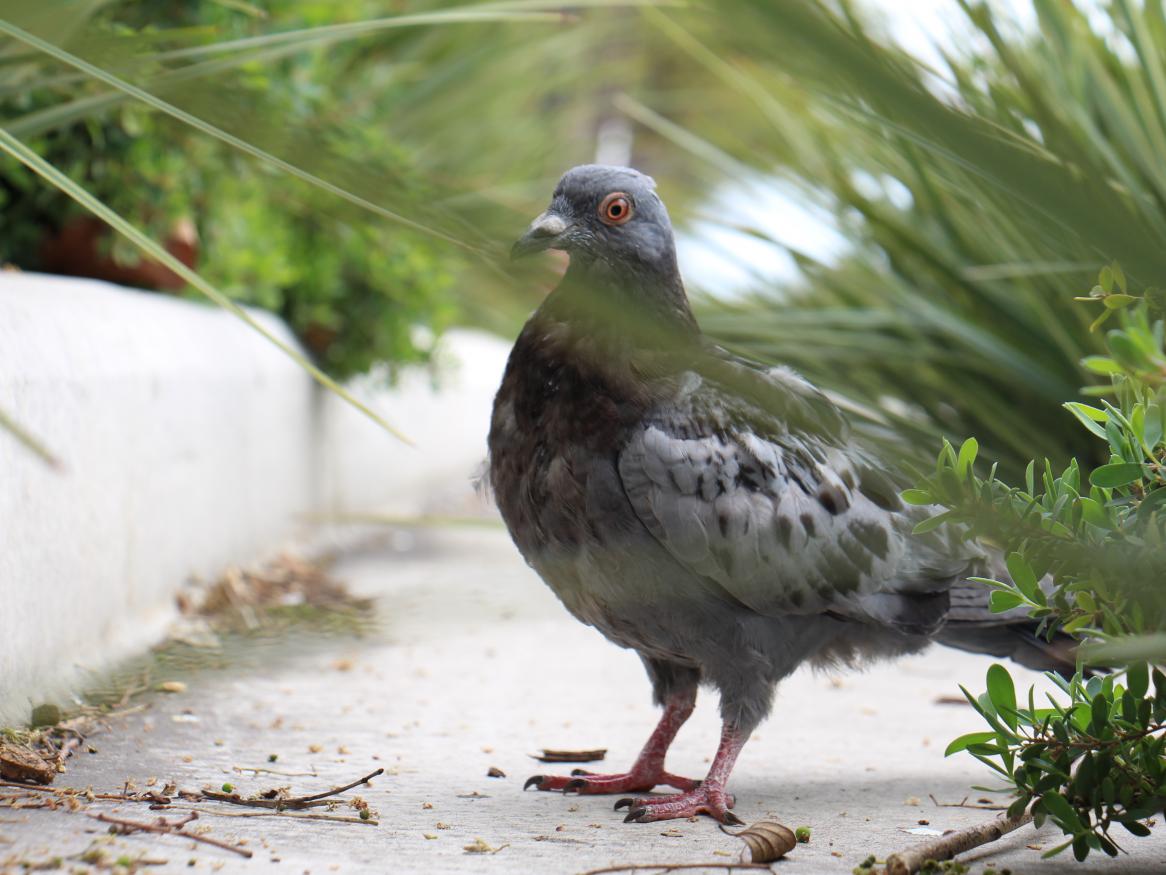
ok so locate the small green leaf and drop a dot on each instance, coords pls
(1056, 805)
(1138, 829)
(1116, 302)
(916, 496)
(1138, 679)
(1022, 575)
(932, 523)
(1052, 852)
(1094, 512)
(1100, 364)
(971, 738)
(1152, 430)
(967, 456)
(1151, 503)
(1076, 624)
(1117, 474)
(1002, 692)
(1105, 278)
(1002, 600)
(1090, 417)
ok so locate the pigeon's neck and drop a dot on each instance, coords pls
(642, 307)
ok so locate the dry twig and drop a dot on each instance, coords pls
(675, 867)
(945, 847)
(305, 815)
(162, 826)
(293, 802)
(963, 803)
(259, 771)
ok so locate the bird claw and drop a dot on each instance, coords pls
(707, 799)
(589, 783)
(626, 802)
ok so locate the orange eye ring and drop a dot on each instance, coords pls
(615, 209)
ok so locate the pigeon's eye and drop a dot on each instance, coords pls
(615, 209)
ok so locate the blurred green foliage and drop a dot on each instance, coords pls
(354, 290)
(974, 197)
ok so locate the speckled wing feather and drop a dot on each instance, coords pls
(783, 511)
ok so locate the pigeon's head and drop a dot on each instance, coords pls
(610, 217)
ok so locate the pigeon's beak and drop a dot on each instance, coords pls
(542, 234)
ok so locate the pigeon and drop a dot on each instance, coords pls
(713, 514)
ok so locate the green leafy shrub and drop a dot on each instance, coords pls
(1097, 758)
(353, 286)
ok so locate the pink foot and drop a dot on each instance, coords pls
(635, 781)
(705, 799)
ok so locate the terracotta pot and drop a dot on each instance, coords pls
(77, 250)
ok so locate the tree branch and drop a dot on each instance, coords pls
(945, 847)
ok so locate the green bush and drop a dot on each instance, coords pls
(1097, 757)
(353, 286)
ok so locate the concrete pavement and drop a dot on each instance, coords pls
(478, 666)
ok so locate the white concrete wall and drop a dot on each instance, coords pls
(189, 443)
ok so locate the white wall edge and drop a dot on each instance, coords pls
(189, 443)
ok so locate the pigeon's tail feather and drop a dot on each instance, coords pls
(1016, 641)
(971, 625)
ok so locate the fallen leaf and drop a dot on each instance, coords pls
(172, 687)
(673, 834)
(19, 762)
(767, 840)
(481, 847)
(570, 756)
(429, 835)
(495, 772)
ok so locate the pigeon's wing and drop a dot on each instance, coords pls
(785, 520)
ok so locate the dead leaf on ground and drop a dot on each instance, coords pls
(19, 762)
(480, 846)
(495, 772)
(767, 840)
(570, 756)
(950, 700)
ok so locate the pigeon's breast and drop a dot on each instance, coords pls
(563, 411)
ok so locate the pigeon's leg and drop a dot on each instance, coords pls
(709, 797)
(647, 771)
